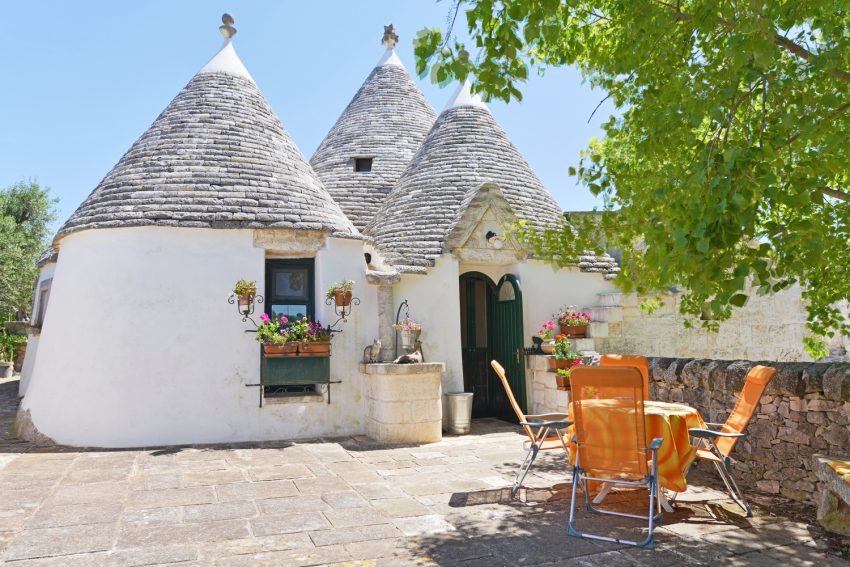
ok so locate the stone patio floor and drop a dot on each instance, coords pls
(347, 501)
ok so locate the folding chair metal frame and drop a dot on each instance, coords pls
(540, 425)
(705, 438)
(650, 481)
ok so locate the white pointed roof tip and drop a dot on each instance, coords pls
(390, 58)
(465, 97)
(227, 61)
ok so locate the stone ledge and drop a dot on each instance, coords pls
(304, 399)
(400, 369)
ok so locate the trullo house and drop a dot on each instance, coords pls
(136, 341)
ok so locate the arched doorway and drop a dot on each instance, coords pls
(491, 328)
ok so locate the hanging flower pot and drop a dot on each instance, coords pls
(342, 298)
(283, 349)
(245, 291)
(314, 348)
(408, 338)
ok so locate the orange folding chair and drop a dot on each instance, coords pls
(716, 444)
(638, 362)
(610, 436)
(537, 428)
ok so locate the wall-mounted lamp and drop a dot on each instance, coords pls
(495, 240)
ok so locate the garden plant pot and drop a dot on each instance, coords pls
(574, 331)
(562, 382)
(5, 370)
(553, 363)
(245, 301)
(547, 347)
(286, 349)
(314, 348)
(342, 298)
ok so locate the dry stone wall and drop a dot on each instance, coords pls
(804, 410)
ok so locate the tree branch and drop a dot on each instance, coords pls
(778, 40)
(835, 193)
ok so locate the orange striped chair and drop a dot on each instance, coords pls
(638, 362)
(716, 443)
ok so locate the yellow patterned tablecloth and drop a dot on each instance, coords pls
(668, 421)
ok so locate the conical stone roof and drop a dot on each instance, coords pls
(387, 120)
(217, 157)
(465, 149)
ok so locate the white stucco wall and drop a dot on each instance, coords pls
(141, 348)
(546, 289)
(46, 273)
(434, 301)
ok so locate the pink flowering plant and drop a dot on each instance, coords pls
(407, 324)
(570, 316)
(282, 330)
(547, 330)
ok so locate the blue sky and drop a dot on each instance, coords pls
(83, 80)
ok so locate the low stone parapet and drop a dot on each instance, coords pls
(403, 402)
(543, 395)
(804, 410)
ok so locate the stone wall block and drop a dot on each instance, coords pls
(836, 383)
(813, 377)
(788, 380)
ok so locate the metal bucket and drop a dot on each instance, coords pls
(459, 412)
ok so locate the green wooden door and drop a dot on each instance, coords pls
(508, 342)
(477, 293)
(491, 328)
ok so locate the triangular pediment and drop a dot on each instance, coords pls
(485, 211)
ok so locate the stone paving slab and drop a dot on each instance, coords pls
(349, 501)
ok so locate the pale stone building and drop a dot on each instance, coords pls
(140, 347)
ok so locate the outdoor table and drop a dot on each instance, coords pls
(665, 420)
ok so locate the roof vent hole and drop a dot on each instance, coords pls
(362, 165)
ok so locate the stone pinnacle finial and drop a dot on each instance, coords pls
(227, 29)
(390, 39)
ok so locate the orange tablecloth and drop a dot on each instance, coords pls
(665, 420)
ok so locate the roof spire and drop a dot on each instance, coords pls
(226, 28)
(390, 39)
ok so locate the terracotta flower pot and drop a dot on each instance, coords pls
(285, 349)
(547, 347)
(245, 301)
(563, 382)
(314, 348)
(574, 331)
(342, 298)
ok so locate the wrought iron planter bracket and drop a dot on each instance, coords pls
(341, 311)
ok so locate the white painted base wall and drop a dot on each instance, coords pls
(141, 348)
(33, 339)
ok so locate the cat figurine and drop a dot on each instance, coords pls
(372, 352)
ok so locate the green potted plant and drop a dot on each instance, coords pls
(562, 379)
(7, 343)
(299, 337)
(563, 356)
(341, 292)
(546, 332)
(312, 339)
(409, 331)
(245, 290)
(572, 322)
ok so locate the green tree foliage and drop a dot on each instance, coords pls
(26, 211)
(728, 158)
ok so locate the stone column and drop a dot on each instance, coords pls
(386, 309)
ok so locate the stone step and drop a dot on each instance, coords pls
(603, 313)
(617, 299)
(597, 329)
(583, 344)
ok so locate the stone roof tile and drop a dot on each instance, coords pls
(217, 153)
(387, 120)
